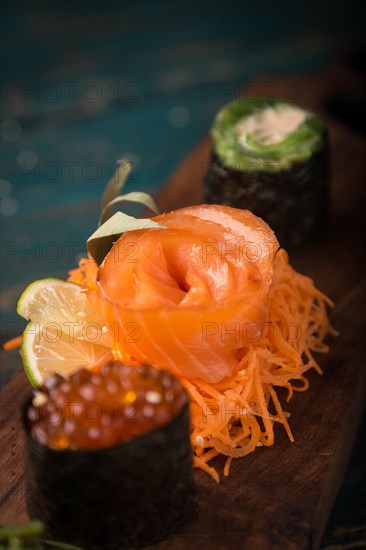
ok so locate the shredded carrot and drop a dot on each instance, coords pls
(277, 360)
(227, 465)
(13, 343)
(233, 417)
(86, 272)
(206, 468)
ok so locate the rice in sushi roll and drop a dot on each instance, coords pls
(108, 457)
(270, 157)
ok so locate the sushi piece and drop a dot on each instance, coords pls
(108, 457)
(271, 157)
(206, 271)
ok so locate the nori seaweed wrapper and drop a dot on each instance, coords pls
(131, 495)
(288, 188)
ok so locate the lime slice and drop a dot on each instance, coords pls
(47, 350)
(64, 305)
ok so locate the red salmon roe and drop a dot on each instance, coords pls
(97, 410)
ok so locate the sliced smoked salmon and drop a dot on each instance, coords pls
(190, 296)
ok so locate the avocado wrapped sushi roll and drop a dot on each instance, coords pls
(270, 157)
(108, 457)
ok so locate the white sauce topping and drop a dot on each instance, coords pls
(271, 125)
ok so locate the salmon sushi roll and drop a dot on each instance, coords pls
(108, 457)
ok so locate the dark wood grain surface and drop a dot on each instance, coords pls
(278, 497)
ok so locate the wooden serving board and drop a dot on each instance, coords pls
(278, 497)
